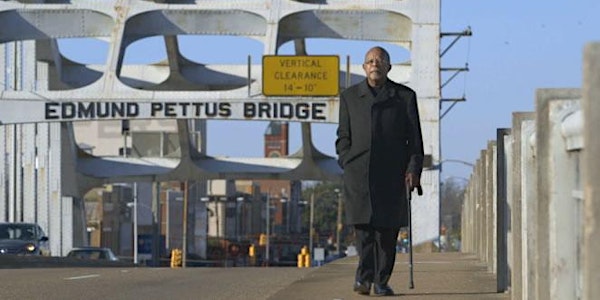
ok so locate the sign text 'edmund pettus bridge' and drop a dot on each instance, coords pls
(294, 88)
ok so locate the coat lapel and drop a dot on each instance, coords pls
(365, 92)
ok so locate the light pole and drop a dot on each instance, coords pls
(133, 205)
(135, 224)
(237, 217)
(311, 230)
(185, 216)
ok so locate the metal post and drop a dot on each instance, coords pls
(185, 217)
(218, 231)
(135, 225)
(125, 144)
(348, 74)
(167, 220)
(311, 229)
(249, 79)
(268, 214)
(285, 199)
(239, 223)
(156, 225)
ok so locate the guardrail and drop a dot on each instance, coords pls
(532, 205)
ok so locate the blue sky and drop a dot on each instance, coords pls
(516, 48)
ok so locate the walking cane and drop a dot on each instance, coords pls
(411, 283)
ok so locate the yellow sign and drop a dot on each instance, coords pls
(285, 75)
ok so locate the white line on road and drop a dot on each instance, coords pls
(83, 277)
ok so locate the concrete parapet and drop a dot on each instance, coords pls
(541, 179)
(557, 208)
(490, 203)
(529, 204)
(516, 230)
(481, 218)
(502, 213)
(591, 171)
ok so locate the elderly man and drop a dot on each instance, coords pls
(380, 148)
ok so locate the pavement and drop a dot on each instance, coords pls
(436, 276)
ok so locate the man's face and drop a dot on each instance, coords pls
(376, 66)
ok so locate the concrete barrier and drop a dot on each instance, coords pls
(557, 235)
(532, 204)
(591, 172)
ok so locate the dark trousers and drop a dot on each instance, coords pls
(377, 253)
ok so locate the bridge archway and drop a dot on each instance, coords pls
(44, 166)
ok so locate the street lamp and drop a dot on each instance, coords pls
(438, 166)
(134, 205)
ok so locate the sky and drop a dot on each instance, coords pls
(517, 47)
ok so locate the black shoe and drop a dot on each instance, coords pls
(362, 288)
(383, 290)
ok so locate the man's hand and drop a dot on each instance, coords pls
(413, 181)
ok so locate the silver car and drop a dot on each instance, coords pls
(93, 253)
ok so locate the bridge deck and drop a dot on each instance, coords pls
(436, 276)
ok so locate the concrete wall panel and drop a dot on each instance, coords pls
(529, 216)
(591, 171)
(517, 205)
(555, 215)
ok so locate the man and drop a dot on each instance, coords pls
(380, 148)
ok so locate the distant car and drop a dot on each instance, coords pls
(93, 253)
(23, 239)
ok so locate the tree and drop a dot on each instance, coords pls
(452, 194)
(325, 207)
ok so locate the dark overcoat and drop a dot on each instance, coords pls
(378, 140)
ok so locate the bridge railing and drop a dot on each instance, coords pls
(532, 204)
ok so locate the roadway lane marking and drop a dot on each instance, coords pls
(83, 277)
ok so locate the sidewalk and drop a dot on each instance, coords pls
(436, 276)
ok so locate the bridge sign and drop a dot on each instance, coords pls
(286, 75)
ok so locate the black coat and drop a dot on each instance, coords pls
(379, 140)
